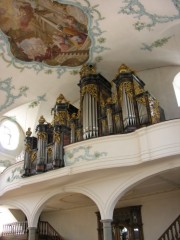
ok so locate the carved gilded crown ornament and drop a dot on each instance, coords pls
(124, 69)
(61, 99)
(87, 70)
(91, 89)
(42, 120)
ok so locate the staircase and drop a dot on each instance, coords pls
(173, 231)
(47, 232)
(19, 231)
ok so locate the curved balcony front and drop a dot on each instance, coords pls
(147, 144)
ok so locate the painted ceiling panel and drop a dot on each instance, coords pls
(46, 31)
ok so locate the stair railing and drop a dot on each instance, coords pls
(16, 228)
(45, 229)
(173, 231)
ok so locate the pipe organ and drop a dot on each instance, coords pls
(102, 112)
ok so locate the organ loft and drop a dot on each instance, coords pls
(105, 108)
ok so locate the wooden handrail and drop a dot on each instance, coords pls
(16, 228)
(173, 231)
(21, 228)
(45, 229)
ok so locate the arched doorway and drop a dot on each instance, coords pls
(126, 224)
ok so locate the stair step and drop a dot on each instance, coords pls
(14, 237)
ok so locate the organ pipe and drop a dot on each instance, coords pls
(90, 127)
(41, 145)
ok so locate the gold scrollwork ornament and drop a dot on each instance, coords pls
(87, 70)
(33, 156)
(91, 89)
(56, 137)
(116, 118)
(49, 151)
(28, 148)
(42, 135)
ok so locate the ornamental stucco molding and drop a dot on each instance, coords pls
(16, 173)
(82, 153)
(137, 9)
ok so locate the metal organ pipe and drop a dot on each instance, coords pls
(124, 108)
(84, 118)
(93, 119)
(110, 121)
(142, 113)
(129, 116)
(96, 116)
(90, 116)
(90, 123)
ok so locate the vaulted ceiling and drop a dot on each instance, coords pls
(44, 43)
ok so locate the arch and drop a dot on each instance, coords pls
(18, 205)
(176, 85)
(135, 180)
(40, 205)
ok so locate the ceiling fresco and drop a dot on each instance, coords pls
(45, 34)
(46, 31)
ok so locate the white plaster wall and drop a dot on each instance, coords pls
(18, 214)
(159, 83)
(76, 224)
(158, 212)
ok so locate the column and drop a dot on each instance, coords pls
(32, 233)
(107, 229)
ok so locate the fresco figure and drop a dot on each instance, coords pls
(61, 42)
(33, 47)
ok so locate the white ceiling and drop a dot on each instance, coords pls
(142, 34)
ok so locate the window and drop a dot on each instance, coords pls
(176, 85)
(9, 134)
